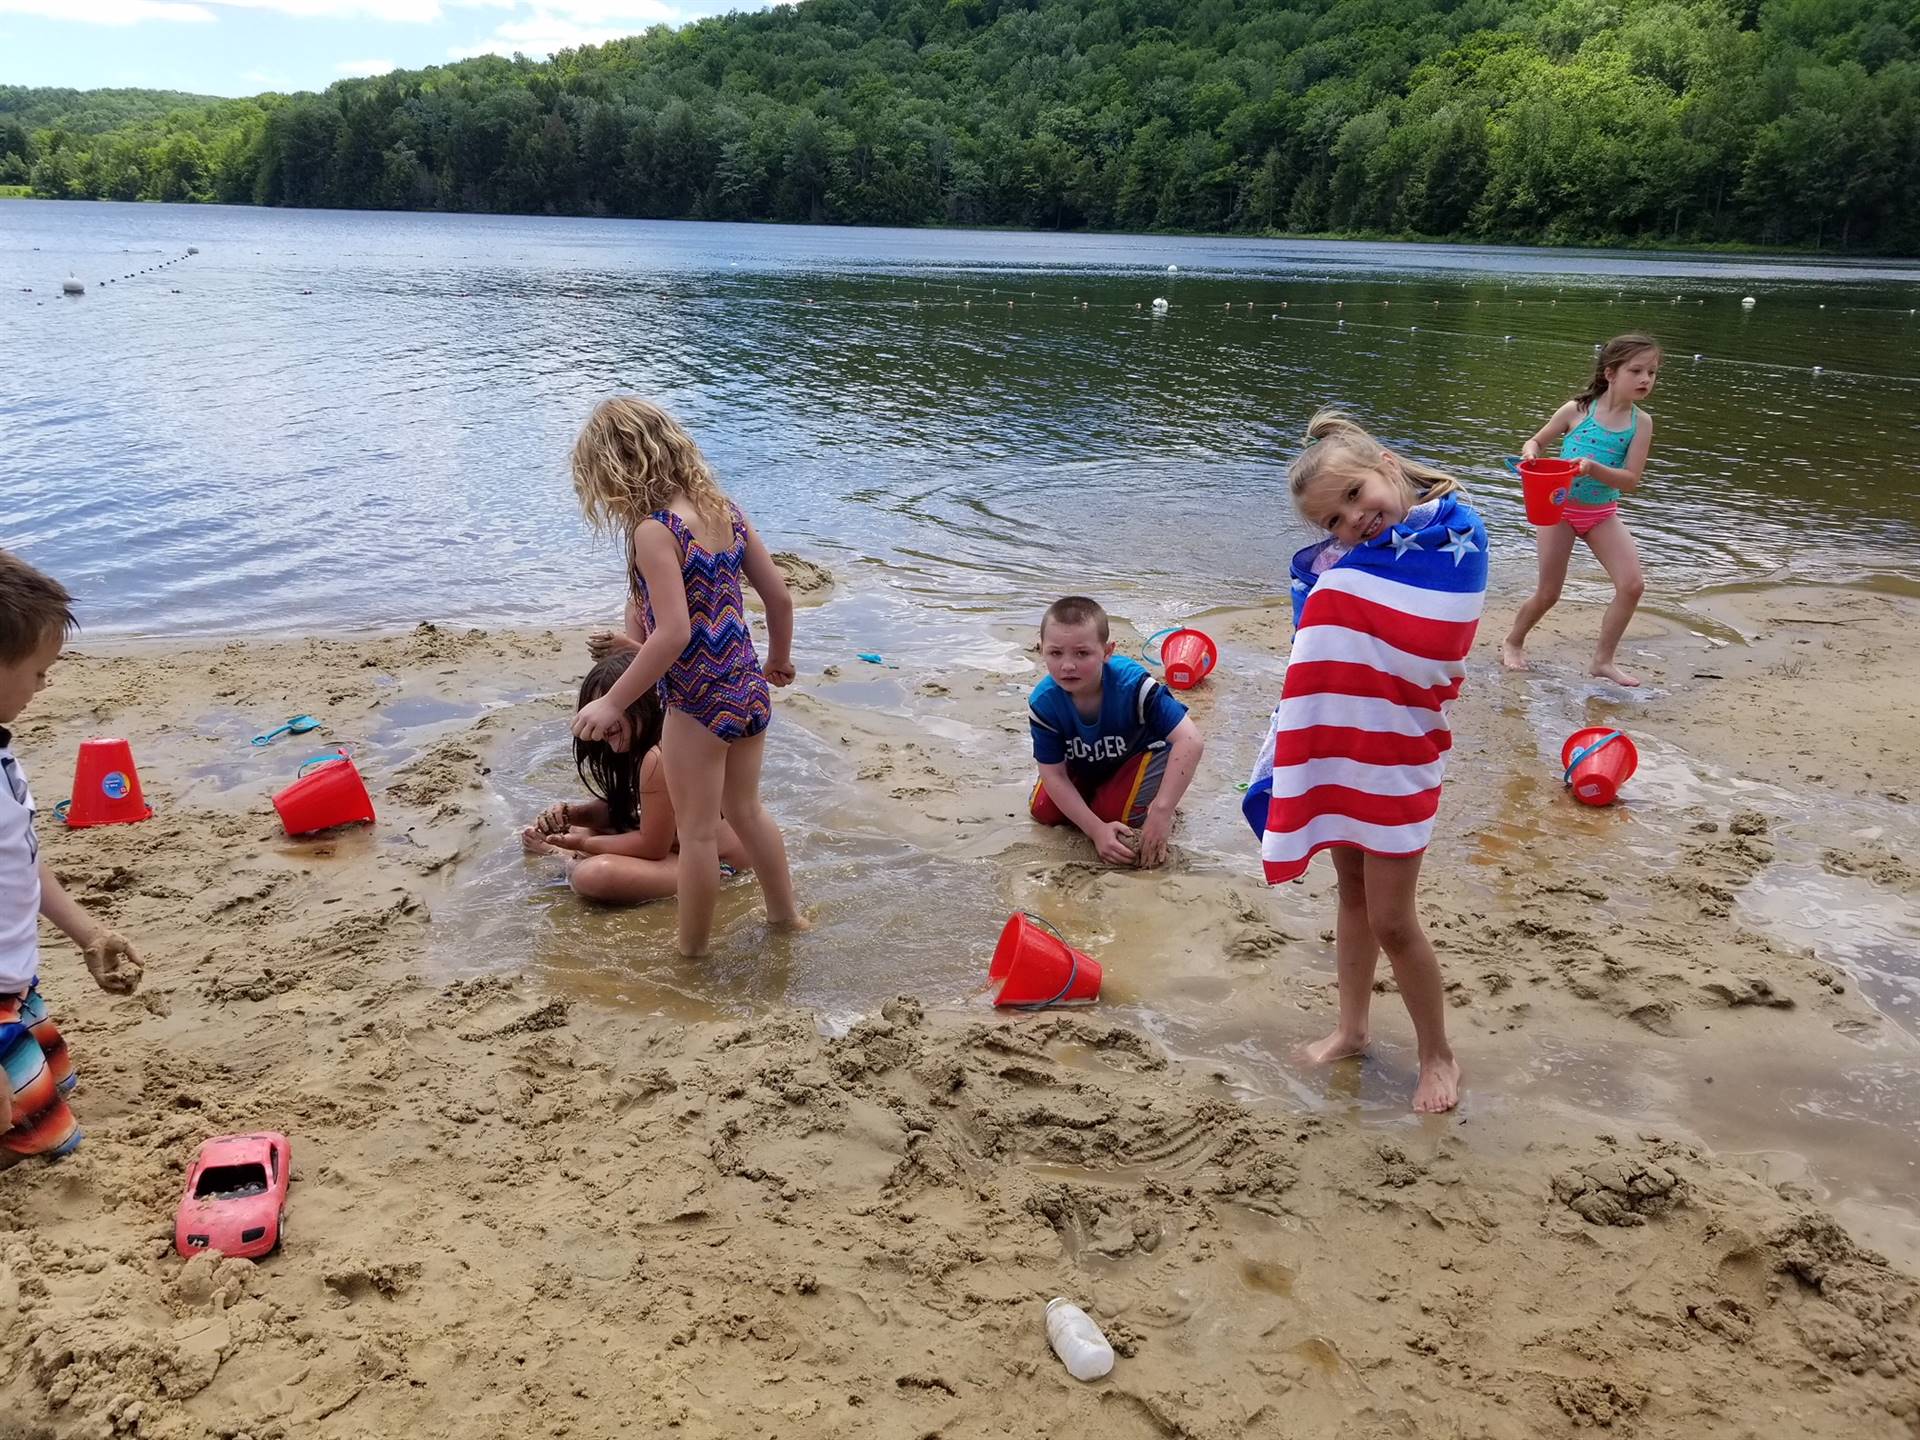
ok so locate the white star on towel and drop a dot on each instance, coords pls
(1299, 585)
(1459, 545)
(1403, 541)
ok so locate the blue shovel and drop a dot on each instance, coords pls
(298, 725)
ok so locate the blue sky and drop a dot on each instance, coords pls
(241, 47)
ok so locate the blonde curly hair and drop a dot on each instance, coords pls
(633, 459)
(1339, 451)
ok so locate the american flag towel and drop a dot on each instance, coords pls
(1379, 650)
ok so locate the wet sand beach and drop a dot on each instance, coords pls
(551, 1180)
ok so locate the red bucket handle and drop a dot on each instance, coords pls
(1585, 750)
(1073, 968)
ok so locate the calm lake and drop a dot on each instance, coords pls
(332, 420)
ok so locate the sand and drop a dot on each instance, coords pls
(522, 1208)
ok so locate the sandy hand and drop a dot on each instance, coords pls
(602, 643)
(112, 963)
(1117, 844)
(597, 719)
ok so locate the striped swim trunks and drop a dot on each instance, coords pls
(39, 1073)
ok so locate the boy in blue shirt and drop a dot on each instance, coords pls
(1116, 751)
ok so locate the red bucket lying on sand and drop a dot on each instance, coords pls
(1033, 967)
(329, 792)
(1189, 656)
(106, 787)
(1543, 486)
(1598, 761)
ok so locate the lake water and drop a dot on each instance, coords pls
(332, 420)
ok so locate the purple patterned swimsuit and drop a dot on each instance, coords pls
(717, 679)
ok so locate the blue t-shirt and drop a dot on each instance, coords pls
(1136, 711)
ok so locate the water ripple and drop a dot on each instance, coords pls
(243, 455)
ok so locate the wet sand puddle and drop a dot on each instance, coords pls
(902, 787)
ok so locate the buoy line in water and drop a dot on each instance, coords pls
(1618, 297)
(1247, 309)
(67, 288)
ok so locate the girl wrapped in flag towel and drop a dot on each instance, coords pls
(1384, 612)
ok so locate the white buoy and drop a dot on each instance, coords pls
(1509, 339)
(1696, 356)
(73, 285)
(1816, 369)
(1159, 307)
(1173, 269)
(1747, 302)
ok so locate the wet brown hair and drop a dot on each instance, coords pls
(1339, 449)
(633, 459)
(1075, 610)
(614, 775)
(1616, 351)
(32, 606)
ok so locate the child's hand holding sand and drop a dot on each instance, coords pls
(112, 962)
(1115, 842)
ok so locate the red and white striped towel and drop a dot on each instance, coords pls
(1379, 651)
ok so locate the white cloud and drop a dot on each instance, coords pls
(636, 13)
(132, 12)
(109, 12)
(405, 12)
(544, 32)
(363, 67)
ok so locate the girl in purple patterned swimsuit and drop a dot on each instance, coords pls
(639, 474)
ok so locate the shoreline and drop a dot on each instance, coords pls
(548, 1178)
(1653, 249)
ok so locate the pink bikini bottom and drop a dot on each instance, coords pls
(1584, 517)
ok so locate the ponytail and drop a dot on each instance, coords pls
(1615, 352)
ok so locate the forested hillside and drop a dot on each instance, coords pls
(89, 111)
(1768, 121)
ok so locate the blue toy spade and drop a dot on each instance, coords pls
(298, 725)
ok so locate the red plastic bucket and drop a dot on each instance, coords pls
(1597, 761)
(329, 793)
(106, 787)
(1543, 486)
(1189, 656)
(1033, 967)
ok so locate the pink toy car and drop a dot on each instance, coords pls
(236, 1196)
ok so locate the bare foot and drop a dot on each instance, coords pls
(533, 842)
(794, 924)
(1337, 1046)
(1513, 656)
(1610, 671)
(1439, 1087)
(602, 643)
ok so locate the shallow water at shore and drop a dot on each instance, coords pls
(334, 420)
(902, 790)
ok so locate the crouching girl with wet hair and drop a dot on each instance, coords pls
(620, 844)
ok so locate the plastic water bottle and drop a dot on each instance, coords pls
(1077, 1340)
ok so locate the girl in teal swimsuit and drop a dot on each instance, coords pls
(1609, 434)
